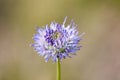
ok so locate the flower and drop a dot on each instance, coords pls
(57, 41)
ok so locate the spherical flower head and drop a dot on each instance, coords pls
(57, 41)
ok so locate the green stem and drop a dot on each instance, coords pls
(58, 70)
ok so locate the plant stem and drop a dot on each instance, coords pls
(58, 70)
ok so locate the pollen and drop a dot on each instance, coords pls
(56, 35)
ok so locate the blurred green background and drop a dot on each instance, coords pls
(98, 59)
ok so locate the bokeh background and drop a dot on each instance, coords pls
(98, 59)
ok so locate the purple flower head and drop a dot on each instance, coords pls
(57, 41)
